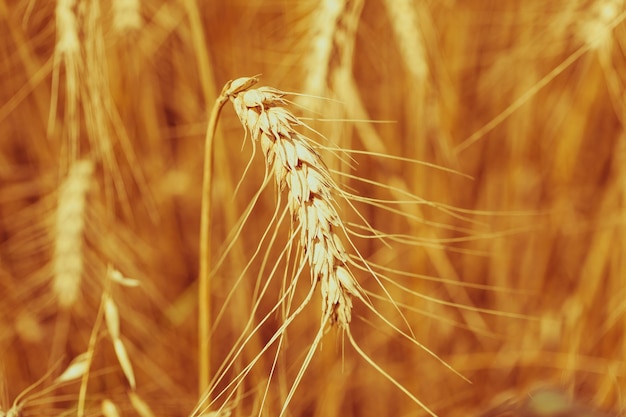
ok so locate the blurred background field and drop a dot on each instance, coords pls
(103, 112)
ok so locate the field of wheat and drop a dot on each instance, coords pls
(326, 208)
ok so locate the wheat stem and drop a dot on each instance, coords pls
(204, 285)
(91, 347)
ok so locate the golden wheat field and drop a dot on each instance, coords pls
(327, 208)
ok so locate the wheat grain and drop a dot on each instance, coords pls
(117, 277)
(297, 166)
(109, 409)
(76, 369)
(124, 360)
(112, 318)
(70, 224)
(329, 65)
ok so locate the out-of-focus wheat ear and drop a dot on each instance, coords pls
(329, 68)
(66, 52)
(414, 32)
(70, 224)
(322, 25)
(109, 409)
(596, 28)
(67, 28)
(404, 20)
(126, 15)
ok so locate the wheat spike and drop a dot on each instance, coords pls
(67, 52)
(67, 28)
(296, 165)
(70, 223)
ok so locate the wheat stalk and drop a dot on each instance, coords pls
(295, 164)
(296, 167)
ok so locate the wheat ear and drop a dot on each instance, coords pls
(67, 52)
(297, 166)
(70, 224)
(403, 15)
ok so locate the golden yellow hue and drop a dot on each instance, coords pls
(479, 152)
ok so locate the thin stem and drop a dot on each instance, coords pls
(204, 284)
(91, 347)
